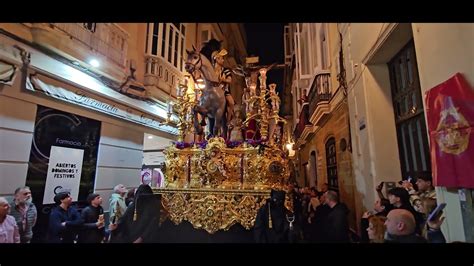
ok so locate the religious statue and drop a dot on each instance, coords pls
(224, 75)
(235, 126)
(275, 100)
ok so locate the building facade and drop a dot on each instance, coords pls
(390, 67)
(320, 110)
(115, 77)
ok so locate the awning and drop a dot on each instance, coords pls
(42, 84)
(7, 73)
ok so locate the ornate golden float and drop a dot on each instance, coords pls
(216, 184)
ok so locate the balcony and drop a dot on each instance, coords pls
(161, 78)
(303, 122)
(80, 42)
(320, 91)
(106, 38)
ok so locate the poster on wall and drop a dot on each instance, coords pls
(64, 173)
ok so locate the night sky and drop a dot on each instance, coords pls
(265, 40)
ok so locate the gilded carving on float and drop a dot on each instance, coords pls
(216, 183)
(212, 209)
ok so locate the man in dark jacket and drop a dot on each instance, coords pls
(318, 222)
(64, 220)
(401, 226)
(336, 224)
(93, 230)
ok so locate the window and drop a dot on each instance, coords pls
(166, 40)
(331, 164)
(160, 71)
(170, 43)
(176, 51)
(409, 115)
(166, 75)
(304, 52)
(153, 67)
(324, 47)
(314, 43)
(163, 40)
(90, 26)
(204, 36)
(287, 42)
(154, 44)
(146, 41)
(182, 53)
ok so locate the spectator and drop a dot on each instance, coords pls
(324, 187)
(319, 219)
(336, 225)
(93, 229)
(432, 229)
(400, 199)
(381, 208)
(425, 190)
(117, 203)
(401, 227)
(376, 229)
(9, 232)
(64, 220)
(25, 213)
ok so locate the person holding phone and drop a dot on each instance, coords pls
(379, 190)
(381, 209)
(425, 190)
(400, 199)
(434, 220)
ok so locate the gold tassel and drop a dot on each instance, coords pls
(270, 224)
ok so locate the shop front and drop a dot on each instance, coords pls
(63, 129)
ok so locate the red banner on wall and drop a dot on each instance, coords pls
(450, 114)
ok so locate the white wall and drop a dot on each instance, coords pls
(381, 125)
(120, 160)
(17, 119)
(442, 50)
(375, 151)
